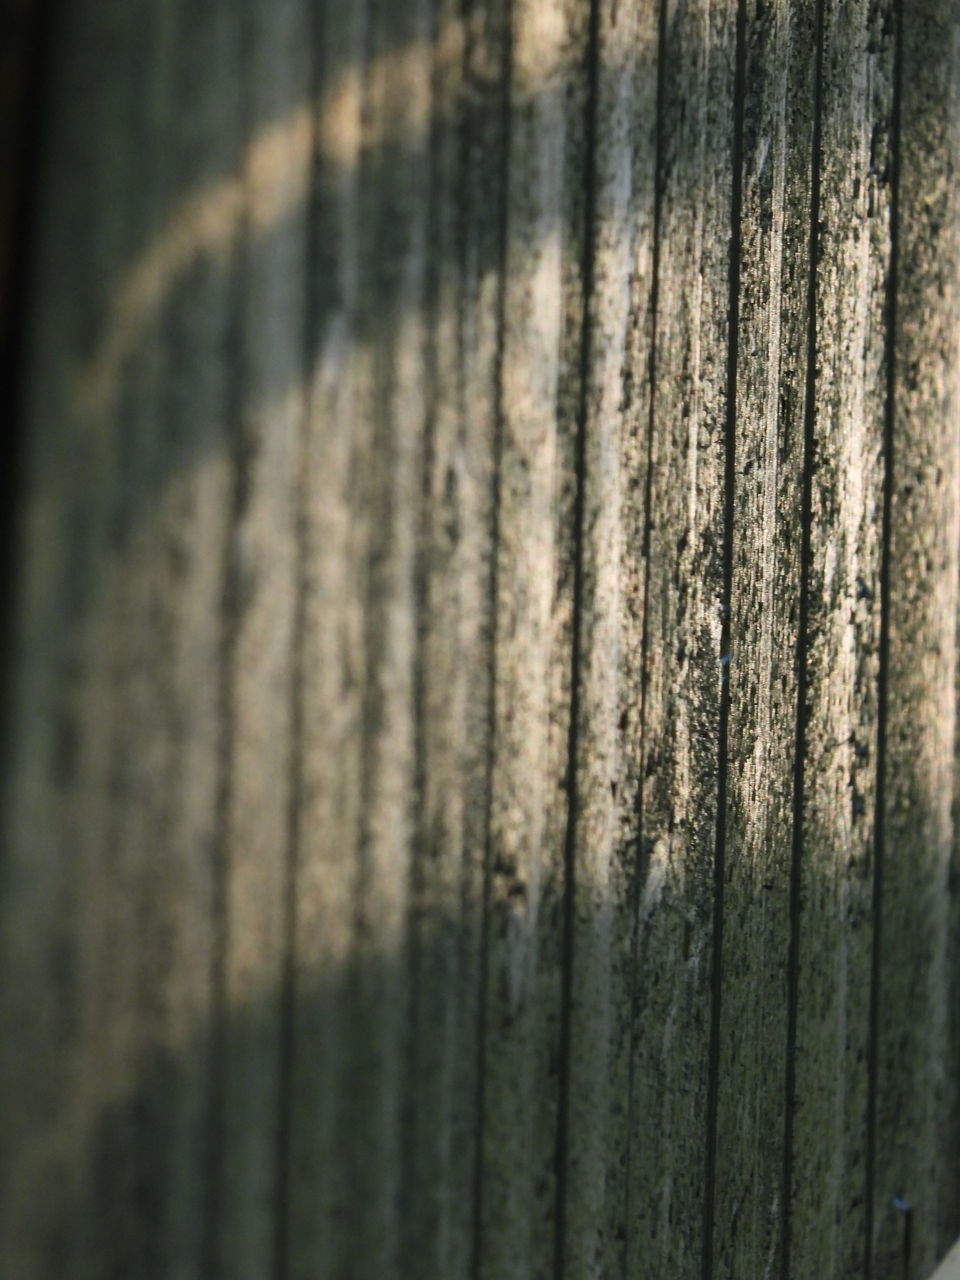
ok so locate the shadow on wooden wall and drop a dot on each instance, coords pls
(487, 609)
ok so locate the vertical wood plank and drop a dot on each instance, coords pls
(670, 745)
(109, 1223)
(618, 225)
(128, 1177)
(828, 1175)
(441, 1140)
(482, 177)
(51, 1065)
(915, 1076)
(524, 929)
(332, 658)
(769, 459)
(261, 601)
(193, 500)
(392, 407)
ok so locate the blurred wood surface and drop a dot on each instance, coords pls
(479, 792)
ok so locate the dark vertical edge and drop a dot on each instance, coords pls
(48, 590)
(365, 268)
(412, 1251)
(502, 219)
(149, 646)
(719, 864)
(233, 359)
(353, 985)
(474, 1107)
(419, 835)
(392, 238)
(573, 734)
(803, 644)
(883, 676)
(641, 852)
(287, 994)
(29, 160)
(451, 589)
(949, 1209)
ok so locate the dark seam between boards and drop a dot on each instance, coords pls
(803, 646)
(503, 230)
(719, 865)
(295, 797)
(883, 675)
(640, 870)
(576, 623)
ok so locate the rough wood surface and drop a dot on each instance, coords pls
(834, 912)
(326, 817)
(672, 653)
(766, 537)
(536, 433)
(478, 779)
(914, 1143)
(266, 413)
(198, 511)
(618, 226)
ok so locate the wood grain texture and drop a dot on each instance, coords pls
(671, 748)
(392, 415)
(599, 978)
(84, 999)
(914, 1157)
(453, 676)
(479, 789)
(130, 943)
(764, 607)
(326, 819)
(267, 355)
(55, 770)
(834, 919)
(528, 805)
(194, 522)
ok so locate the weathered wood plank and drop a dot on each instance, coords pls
(116, 794)
(128, 1178)
(619, 227)
(60, 724)
(479, 233)
(827, 1178)
(670, 748)
(331, 663)
(394, 213)
(267, 367)
(767, 514)
(441, 1139)
(193, 504)
(524, 924)
(913, 1157)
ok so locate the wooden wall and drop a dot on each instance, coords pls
(478, 791)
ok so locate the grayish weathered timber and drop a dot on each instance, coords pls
(766, 536)
(479, 786)
(915, 1188)
(848, 378)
